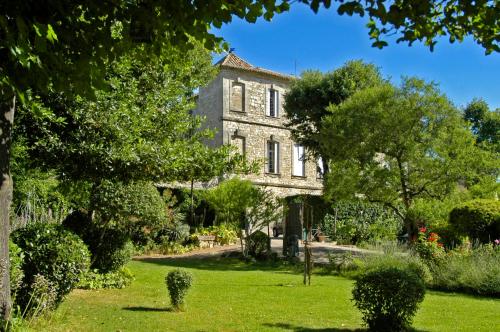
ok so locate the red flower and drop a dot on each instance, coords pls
(433, 237)
(422, 229)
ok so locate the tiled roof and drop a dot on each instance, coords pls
(233, 61)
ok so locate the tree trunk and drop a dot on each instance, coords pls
(191, 208)
(7, 108)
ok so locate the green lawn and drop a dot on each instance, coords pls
(232, 296)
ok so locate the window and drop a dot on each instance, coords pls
(273, 157)
(319, 168)
(239, 142)
(298, 160)
(237, 97)
(272, 103)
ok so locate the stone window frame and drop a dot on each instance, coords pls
(240, 134)
(279, 94)
(303, 176)
(278, 144)
(243, 83)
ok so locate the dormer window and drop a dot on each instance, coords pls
(272, 103)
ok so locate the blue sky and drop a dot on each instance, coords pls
(325, 41)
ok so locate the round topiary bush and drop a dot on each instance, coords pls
(388, 298)
(478, 219)
(58, 255)
(178, 283)
(258, 244)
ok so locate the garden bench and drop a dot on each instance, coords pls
(206, 241)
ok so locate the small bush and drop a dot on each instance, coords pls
(178, 283)
(388, 298)
(258, 244)
(478, 219)
(16, 257)
(51, 251)
(43, 297)
(118, 279)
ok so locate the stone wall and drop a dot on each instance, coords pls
(247, 122)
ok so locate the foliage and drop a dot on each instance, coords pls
(110, 247)
(178, 283)
(177, 232)
(51, 251)
(485, 124)
(16, 257)
(478, 219)
(388, 298)
(258, 244)
(425, 22)
(224, 234)
(307, 99)
(428, 246)
(475, 271)
(239, 203)
(359, 221)
(395, 145)
(116, 279)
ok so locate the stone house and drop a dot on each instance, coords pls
(244, 103)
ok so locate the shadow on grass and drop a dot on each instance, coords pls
(295, 328)
(223, 264)
(149, 309)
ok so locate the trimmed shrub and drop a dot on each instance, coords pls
(478, 219)
(258, 244)
(110, 248)
(178, 283)
(58, 255)
(388, 298)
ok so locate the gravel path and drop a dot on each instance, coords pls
(320, 251)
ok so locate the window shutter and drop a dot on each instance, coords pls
(277, 103)
(268, 104)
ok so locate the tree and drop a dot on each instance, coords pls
(239, 203)
(393, 145)
(65, 46)
(484, 124)
(307, 100)
(425, 20)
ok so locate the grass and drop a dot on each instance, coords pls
(228, 295)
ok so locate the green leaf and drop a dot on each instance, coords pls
(51, 34)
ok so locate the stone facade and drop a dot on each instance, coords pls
(239, 105)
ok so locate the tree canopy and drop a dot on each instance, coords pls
(425, 20)
(393, 145)
(484, 123)
(307, 101)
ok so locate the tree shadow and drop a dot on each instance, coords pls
(223, 264)
(149, 309)
(295, 328)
